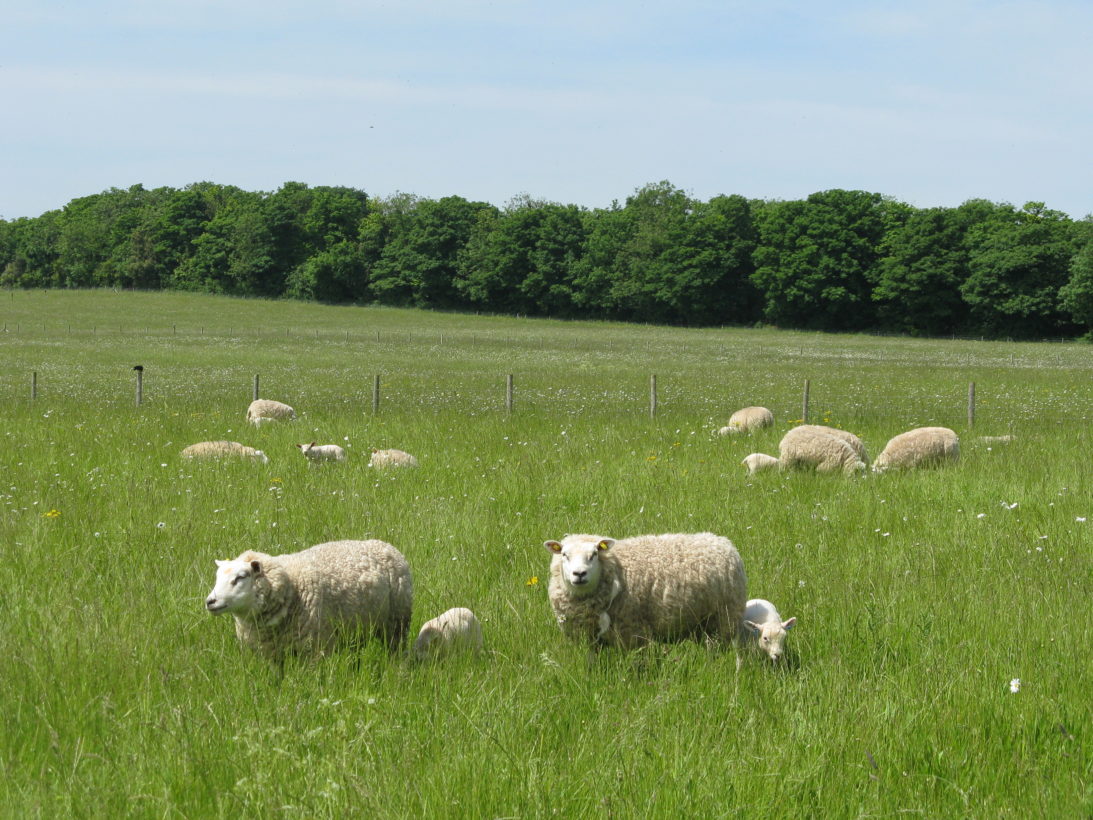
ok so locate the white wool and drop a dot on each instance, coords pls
(322, 452)
(391, 458)
(223, 449)
(759, 461)
(266, 410)
(748, 419)
(765, 629)
(921, 447)
(456, 630)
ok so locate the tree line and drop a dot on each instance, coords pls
(838, 260)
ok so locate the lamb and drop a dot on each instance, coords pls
(816, 447)
(391, 458)
(764, 626)
(267, 410)
(759, 461)
(453, 631)
(322, 452)
(628, 592)
(921, 447)
(748, 420)
(223, 449)
(311, 602)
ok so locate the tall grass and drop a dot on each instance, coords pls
(919, 597)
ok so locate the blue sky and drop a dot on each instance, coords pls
(932, 103)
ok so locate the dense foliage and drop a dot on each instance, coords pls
(838, 260)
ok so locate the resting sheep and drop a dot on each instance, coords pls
(814, 447)
(747, 420)
(921, 447)
(266, 410)
(322, 452)
(223, 449)
(391, 458)
(650, 587)
(313, 601)
(456, 630)
(759, 461)
(764, 627)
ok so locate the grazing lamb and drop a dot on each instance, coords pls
(266, 410)
(223, 449)
(814, 447)
(921, 447)
(759, 461)
(456, 630)
(310, 602)
(322, 452)
(764, 627)
(650, 587)
(747, 420)
(391, 458)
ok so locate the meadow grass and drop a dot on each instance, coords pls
(919, 596)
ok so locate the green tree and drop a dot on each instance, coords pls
(1076, 296)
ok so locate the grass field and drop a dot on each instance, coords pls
(919, 597)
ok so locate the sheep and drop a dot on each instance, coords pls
(764, 627)
(844, 435)
(748, 420)
(989, 440)
(759, 461)
(322, 452)
(266, 410)
(921, 447)
(391, 458)
(311, 602)
(453, 631)
(628, 592)
(815, 447)
(223, 449)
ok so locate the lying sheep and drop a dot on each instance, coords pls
(650, 587)
(223, 449)
(266, 410)
(456, 630)
(759, 461)
(813, 447)
(747, 420)
(322, 452)
(921, 447)
(313, 601)
(391, 458)
(764, 627)
(989, 440)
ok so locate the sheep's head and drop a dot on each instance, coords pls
(759, 461)
(261, 457)
(771, 636)
(581, 566)
(234, 590)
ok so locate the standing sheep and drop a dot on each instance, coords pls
(748, 420)
(322, 452)
(391, 458)
(814, 447)
(450, 632)
(223, 449)
(650, 587)
(266, 410)
(921, 447)
(310, 602)
(764, 626)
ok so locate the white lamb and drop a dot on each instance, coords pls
(815, 447)
(921, 447)
(650, 587)
(223, 449)
(310, 602)
(456, 630)
(322, 452)
(391, 458)
(747, 420)
(757, 462)
(261, 411)
(764, 627)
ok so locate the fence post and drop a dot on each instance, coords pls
(508, 393)
(140, 384)
(653, 396)
(375, 393)
(255, 387)
(33, 385)
(804, 403)
(971, 403)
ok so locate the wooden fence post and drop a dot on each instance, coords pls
(971, 403)
(653, 396)
(375, 393)
(804, 403)
(255, 392)
(140, 384)
(508, 393)
(34, 385)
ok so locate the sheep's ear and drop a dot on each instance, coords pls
(256, 566)
(219, 563)
(312, 444)
(300, 446)
(553, 546)
(789, 624)
(752, 625)
(605, 544)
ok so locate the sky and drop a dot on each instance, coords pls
(931, 103)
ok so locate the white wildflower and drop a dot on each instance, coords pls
(1015, 685)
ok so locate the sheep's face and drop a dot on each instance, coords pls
(772, 637)
(234, 589)
(580, 562)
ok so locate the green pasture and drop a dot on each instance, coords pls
(919, 597)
